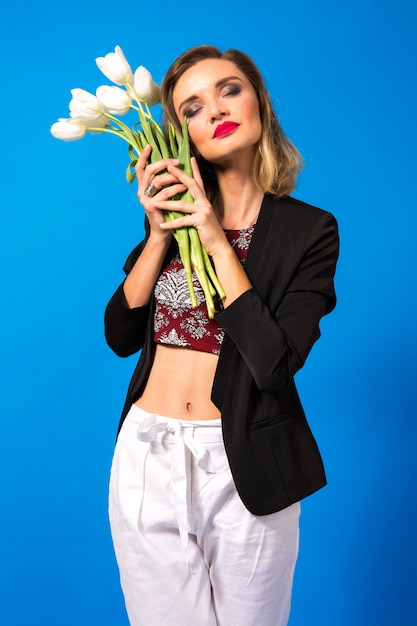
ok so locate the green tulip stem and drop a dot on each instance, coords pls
(182, 238)
(118, 133)
(212, 274)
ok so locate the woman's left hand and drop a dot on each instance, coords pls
(199, 213)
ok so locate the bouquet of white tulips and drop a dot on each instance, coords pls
(98, 114)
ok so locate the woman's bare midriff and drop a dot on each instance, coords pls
(180, 384)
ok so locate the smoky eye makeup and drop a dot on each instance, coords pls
(233, 89)
(191, 110)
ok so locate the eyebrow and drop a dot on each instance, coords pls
(218, 84)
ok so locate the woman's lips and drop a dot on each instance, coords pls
(225, 129)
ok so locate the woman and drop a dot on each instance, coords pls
(214, 452)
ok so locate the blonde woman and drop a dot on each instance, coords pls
(214, 452)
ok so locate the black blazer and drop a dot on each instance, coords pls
(269, 331)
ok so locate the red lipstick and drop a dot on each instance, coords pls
(225, 129)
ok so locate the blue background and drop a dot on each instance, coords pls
(343, 80)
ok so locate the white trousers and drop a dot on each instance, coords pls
(189, 552)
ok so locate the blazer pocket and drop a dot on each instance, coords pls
(267, 422)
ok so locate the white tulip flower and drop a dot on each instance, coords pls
(145, 88)
(97, 125)
(69, 129)
(115, 66)
(85, 105)
(73, 128)
(116, 101)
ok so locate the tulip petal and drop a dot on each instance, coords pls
(85, 105)
(115, 66)
(68, 129)
(145, 88)
(115, 100)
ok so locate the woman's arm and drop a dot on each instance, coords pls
(275, 341)
(140, 282)
(127, 312)
(274, 335)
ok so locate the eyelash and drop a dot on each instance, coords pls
(230, 90)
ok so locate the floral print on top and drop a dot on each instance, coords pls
(176, 321)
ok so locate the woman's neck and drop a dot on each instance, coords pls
(240, 201)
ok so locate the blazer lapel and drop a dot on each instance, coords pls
(267, 246)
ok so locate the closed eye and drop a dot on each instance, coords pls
(192, 110)
(231, 90)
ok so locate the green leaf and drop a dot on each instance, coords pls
(173, 140)
(140, 139)
(131, 151)
(184, 150)
(130, 171)
(147, 131)
(159, 137)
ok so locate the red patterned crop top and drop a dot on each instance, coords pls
(176, 321)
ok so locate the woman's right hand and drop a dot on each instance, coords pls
(140, 282)
(166, 184)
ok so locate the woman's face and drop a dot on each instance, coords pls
(222, 110)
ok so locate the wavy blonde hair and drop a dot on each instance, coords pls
(277, 162)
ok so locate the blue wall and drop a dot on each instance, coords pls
(343, 80)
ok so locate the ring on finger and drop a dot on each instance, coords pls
(150, 190)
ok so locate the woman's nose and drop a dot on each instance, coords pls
(217, 110)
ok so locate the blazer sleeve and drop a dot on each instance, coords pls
(275, 341)
(125, 328)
